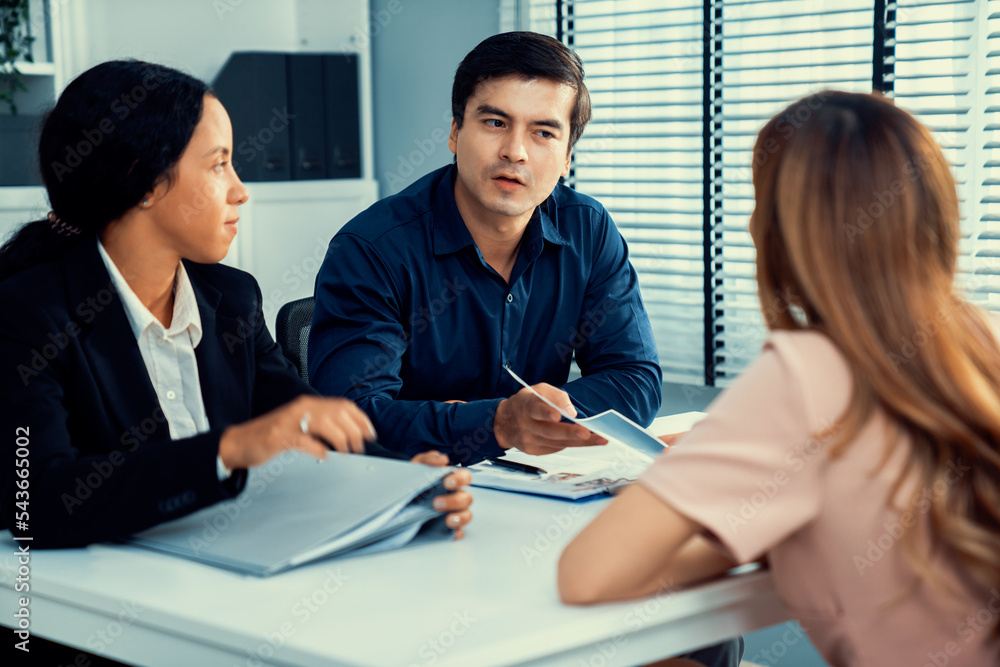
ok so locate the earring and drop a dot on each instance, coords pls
(145, 202)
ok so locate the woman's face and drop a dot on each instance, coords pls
(197, 210)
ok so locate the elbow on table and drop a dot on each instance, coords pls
(576, 585)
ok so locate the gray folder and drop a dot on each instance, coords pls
(296, 509)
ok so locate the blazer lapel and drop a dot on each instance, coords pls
(222, 368)
(109, 344)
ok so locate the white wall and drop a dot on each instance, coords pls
(283, 226)
(197, 36)
(191, 35)
(415, 50)
(417, 45)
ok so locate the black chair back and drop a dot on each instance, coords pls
(292, 331)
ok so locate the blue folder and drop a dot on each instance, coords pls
(295, 510)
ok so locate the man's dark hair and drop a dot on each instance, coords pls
(529, 55)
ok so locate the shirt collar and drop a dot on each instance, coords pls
(450, 233)
(549, 231)
(186, 316)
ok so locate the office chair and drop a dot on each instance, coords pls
(292, 331)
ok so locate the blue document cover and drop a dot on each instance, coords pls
(296, 509)
(611, 424)
(615, 426)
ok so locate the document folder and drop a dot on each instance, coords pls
(296, 509)
(577, 473)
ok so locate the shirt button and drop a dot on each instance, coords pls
(507, 365)
(171, 394)
(510, 298)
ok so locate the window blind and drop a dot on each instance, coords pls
(946, 74)
(773, 52)
(534, 15)
(983, 267)
(669, 149)
(641, 156)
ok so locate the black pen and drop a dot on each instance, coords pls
(520, 467)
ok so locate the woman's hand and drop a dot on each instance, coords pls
(455, 503)
(670, 439)
(311, 424)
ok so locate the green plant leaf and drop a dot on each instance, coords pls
(15, 43)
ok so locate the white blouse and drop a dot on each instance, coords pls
(169, 353)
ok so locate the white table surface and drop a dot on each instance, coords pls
(489, 599)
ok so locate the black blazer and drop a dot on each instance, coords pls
(75, 393)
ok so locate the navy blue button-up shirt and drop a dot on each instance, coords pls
(409, 315)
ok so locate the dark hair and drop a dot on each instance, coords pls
(529, 55)
(115, 132)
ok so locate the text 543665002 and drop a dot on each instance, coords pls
(19, 526)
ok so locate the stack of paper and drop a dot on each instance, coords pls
(583, 472)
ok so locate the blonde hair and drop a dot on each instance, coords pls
(856, 227)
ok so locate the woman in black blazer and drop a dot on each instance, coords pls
(135, 369)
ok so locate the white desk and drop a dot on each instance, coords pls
(489, 599)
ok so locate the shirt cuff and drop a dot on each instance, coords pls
(474, 421)
(221, 469)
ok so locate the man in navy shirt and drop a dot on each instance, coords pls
(427, 297)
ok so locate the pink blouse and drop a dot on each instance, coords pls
(755, 477)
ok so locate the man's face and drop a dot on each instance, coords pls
(513, 146)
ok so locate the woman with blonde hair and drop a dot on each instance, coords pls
(859, 453)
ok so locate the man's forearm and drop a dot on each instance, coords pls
(464, 431)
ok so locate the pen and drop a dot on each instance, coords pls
(527, 386)
(520, 467)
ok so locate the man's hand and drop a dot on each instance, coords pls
(455, 503)
(525, 422)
